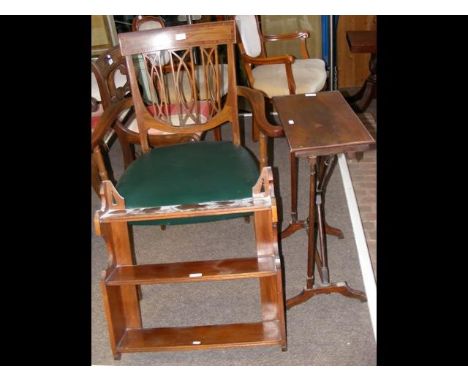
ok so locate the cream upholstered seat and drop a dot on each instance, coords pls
(309, 74)
(270, 74)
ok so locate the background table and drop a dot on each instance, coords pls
(364, 42)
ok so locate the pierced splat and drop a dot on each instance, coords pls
(112, 77)
(181, 92)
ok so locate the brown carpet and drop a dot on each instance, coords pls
(326, 330)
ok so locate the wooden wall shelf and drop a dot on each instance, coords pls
(201, 337)
(212, 270)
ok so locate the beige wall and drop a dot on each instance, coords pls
(102, 29)
(288, 24)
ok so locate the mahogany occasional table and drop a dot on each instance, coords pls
(364, 42)
(318, 127)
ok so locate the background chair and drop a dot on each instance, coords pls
(277, 75)
(109, 84)
(188, 183)
(141, 23)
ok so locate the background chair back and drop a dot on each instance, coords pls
(141, 23)
(249, 34)
(110, 73)
(183, 98)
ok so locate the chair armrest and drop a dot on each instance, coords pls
(301, 36)
(256, 100)
(286, 36)
(107, 119)
(286, 59)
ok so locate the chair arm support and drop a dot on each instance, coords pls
(287, 59)
(286, 36)
(302, 36)
(256, 100)
(107, 119)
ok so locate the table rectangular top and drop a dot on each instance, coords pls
(321, 124)
(362, 41)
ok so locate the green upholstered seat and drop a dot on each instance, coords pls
(189, 173)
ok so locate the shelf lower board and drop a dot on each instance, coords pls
(193, 271)
(201, 337)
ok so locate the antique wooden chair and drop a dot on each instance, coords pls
(188, 183)
(109, 84)
(141, 23)
(277, 75)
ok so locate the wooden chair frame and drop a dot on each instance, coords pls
(262, 59)
(104, 69)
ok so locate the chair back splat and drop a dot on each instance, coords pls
(185, 183)
(177, 102)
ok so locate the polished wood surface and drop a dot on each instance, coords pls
(194, 271)
(318, 127)
(362, 41)
(323, 124)
(201, 337)
(122, 278)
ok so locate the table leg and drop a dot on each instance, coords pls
(295, 224)
(361, 100)
(316, 190)
(326, 167)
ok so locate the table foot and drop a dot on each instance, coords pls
(352, 98)
(117, 356)
(292, 227)
(340, 287)
(360, 105)
(296, 226)
(329, 230)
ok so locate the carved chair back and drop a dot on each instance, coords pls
(183, 98)
(110, 71)
(250, 42)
